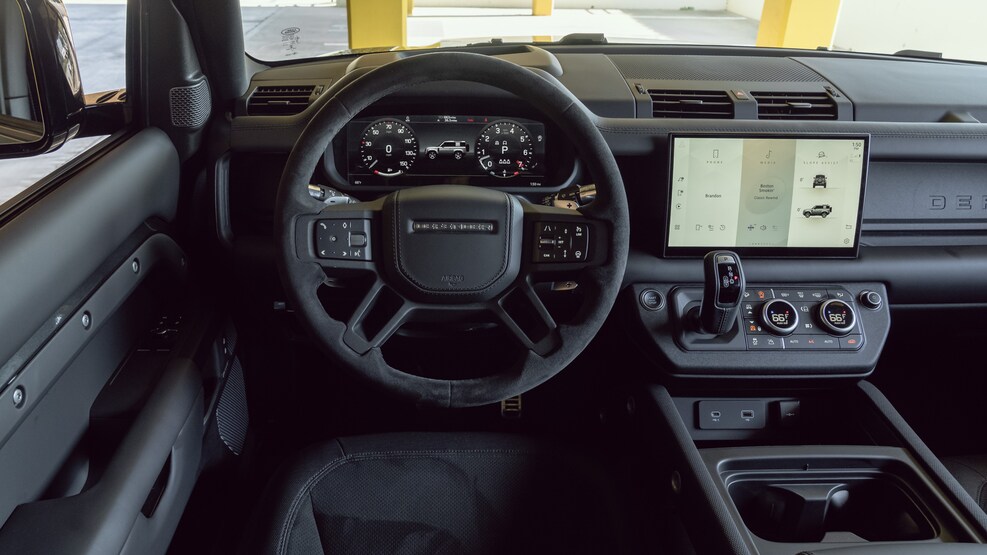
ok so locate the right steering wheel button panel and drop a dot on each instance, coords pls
(561, 242)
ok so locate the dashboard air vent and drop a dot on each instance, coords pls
(281, 100)
(795, 105)
(690, 104)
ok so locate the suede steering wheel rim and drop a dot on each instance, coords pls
(357, 346)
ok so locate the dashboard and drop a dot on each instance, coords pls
(835, 172)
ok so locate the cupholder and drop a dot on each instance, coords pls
(873, 507)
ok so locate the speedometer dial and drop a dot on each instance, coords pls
(388, 147)
(505, 149)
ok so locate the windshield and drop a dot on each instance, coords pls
(282, 30)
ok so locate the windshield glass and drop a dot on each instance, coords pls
(281, 30)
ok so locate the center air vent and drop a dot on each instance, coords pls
(691, 104)
(795, 105)
(281, 100)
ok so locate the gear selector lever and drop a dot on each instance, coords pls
(723, 289)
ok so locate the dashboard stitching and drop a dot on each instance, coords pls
(399, 259)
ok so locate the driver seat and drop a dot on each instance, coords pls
(443, 493)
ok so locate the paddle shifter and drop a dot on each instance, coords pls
(723, 289)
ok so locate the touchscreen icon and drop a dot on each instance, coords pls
(716, 153)
(818, 210)
(822, 154)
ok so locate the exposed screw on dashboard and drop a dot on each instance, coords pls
(18, 396)
(136, 265)
(87, 320)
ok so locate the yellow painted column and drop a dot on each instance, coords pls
(375, 23)
(798, 23)
(542, 7)
(411, 6)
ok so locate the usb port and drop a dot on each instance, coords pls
(715, 414)
(747, 414)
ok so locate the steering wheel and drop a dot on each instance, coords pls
(439, 250)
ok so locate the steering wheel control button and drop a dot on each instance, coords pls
(358, 239)
(652, 299)
(837, 317)
(343, 239)
(779, 316)
(871, 300)
(765, 343)
(561, 242)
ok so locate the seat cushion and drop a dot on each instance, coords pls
(971, 472)
(439, 493)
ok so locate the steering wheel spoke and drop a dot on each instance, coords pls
(379, 315)
(527, 317)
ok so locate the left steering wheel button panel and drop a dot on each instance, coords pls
(343, 239)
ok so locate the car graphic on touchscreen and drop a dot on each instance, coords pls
(819, 181)
(818, 210)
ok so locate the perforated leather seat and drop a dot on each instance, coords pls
(439, 493)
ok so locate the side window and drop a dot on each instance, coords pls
(99, 33)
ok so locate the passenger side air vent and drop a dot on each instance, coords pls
(795, 105)
(690, 104)
(282, 100)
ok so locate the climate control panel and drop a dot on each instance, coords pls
(800, 319)
(781, 330)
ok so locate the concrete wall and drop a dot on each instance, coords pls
(747, 8)
(953, 27)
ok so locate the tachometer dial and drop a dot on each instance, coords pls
(505, 149)
(388, 147)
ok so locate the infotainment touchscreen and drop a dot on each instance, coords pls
(766, 195)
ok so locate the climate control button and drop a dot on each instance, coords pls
(779, 316)
(837, 317)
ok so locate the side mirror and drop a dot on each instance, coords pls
(41, 99)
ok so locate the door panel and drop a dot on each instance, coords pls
(86, 271)
(49, 250)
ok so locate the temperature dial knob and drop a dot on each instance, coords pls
(837, 317)
(779, 316)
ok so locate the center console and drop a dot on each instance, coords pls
(769, 440)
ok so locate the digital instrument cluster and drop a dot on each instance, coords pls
(428, 150)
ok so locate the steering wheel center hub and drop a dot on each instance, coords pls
(451, 243)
